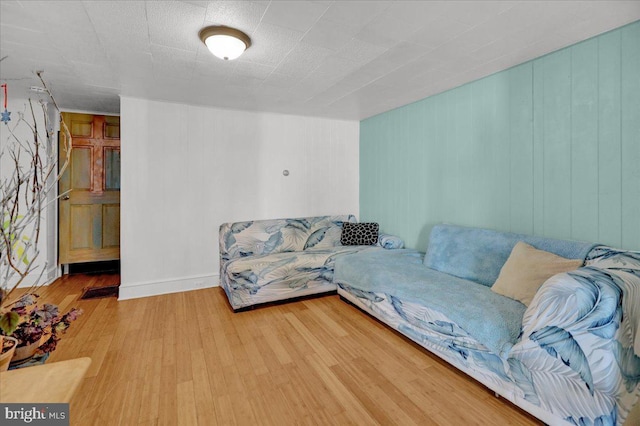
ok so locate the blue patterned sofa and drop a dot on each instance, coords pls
(268, 260)
(570, 357)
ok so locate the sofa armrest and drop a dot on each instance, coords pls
(576, 355)
(388, 241)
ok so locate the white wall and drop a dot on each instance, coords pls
(187, 169)
(47, 245)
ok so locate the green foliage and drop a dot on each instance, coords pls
(9, 321)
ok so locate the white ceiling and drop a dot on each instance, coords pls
(339, 59)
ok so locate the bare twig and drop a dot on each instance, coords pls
(25, 191)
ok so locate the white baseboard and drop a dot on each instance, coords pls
(53, 273)
(155, 288)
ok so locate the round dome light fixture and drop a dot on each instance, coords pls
(225, 42)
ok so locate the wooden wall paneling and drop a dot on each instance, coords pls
(483, 95)
(410, 182)
(449, 156)
(370, 152)
(417, 203)
(538, 146)
(403, 186)
(456, 143)
(499, 210)
(395, 192)
(557, 144)
(463, 136)
(404, 181)
(435, 170)
(382, 134)
(549, 149)
(584, 141)
(630, 136)
(521, 149)
(609, 149)
(392, 184)
(383, 140)
(433, 175)
(395, 137)
(490, 166)
(482, 124)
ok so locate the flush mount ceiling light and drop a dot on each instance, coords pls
(225, 42)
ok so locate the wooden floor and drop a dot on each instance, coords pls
(186, 359)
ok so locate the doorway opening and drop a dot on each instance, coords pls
(89, 189)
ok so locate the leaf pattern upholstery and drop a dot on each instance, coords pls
(577, 360)
(587, 319)
(260, 237)
(267, 260)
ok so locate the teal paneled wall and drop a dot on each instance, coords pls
(550, 147)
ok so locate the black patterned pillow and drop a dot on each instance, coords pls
(359, 234)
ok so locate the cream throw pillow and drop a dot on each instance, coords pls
(526, 269)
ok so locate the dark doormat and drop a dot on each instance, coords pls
(99, 292)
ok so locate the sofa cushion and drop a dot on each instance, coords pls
(527, 269)
(294, 269)
(478, 254)
(490, 318)
(359, 234)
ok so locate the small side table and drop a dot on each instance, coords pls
(56, 382)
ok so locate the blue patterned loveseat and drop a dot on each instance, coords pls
(572, 357)
(268, 260)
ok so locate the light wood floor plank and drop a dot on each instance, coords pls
(319, 349)
(386, 389)
(224, 410)
(187, 414)
(275, 343)
(151, 390)
(362, 391)
(330, 324)
(167, 414)
(354, 409)
(186, 358)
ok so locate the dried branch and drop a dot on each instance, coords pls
(26, 190)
